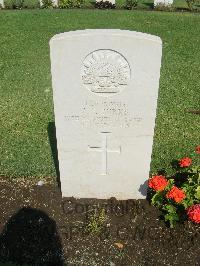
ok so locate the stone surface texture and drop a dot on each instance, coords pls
(163, 2)
(105, 89)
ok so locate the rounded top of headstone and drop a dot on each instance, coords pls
(113, 32)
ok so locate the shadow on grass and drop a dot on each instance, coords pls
(175, 165)
(30, 237)
(182, 9)
(92, 3)
(53, 142)
(149, 5)
(180, 176)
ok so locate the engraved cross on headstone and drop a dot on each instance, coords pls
(104, 149)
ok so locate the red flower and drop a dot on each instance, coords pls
(198, 149)
(176, 194)
(194, 213)
(158, 182)
(185, 162)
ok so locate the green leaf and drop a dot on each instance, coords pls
(170, 184)
(197, 195)
(171, 214)
(187, 202)
(157, 199)
(171, 209)
(172, 218)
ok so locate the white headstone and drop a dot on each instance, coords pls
(55, 3)
(163, 2)
(1, 4)
(105, 88)
(111, 1)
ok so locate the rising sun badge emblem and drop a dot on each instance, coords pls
(105, 72)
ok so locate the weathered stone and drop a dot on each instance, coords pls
(105, 86)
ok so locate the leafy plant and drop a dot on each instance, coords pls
(65, 4)
(47, 4)
(13, 4)
(104, 5)
(96, 222)
(178, 197)
(70, 3)
(131, 4)
(79, 3)
(31, 4)
(191, 4)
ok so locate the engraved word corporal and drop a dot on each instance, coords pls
(104, 149)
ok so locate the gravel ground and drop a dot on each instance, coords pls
(39, 227)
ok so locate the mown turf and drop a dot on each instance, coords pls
(26, 106)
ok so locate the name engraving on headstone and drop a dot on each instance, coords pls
(105, 113)
(105, 72)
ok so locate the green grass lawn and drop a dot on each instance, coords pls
(26, 106)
